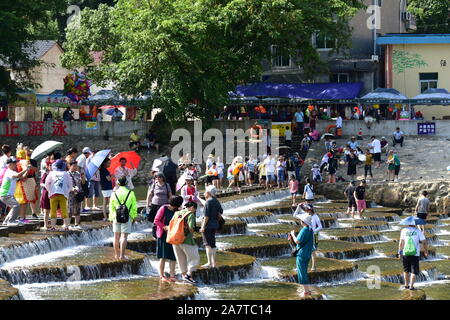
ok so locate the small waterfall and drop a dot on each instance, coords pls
(382, 227)
(256, 219)
(70, 273)
(253, 202)
(55, 243)
(426, 275)
(227, 274)
(328, 278)
(268, 251)
(367, 238)
(347, 254)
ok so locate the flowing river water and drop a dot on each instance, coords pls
(356, 258)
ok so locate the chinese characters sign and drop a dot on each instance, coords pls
(35, 129)
(426, 128)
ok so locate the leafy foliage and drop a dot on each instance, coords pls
(21, 22)
(191, 53)
(433, 16)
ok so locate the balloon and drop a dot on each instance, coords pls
(376, 106)
(390, 109)
(76, 86)
(310, 108)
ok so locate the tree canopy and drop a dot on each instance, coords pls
(433, 16)
(191, 53)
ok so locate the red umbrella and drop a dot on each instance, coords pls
(131, 156)
(109, 107)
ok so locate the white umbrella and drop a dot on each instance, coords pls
(326, 135)
(41, 150)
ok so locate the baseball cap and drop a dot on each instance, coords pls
(12, 160)
(60, 164)
(87, 150)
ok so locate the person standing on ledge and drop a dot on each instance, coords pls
(213, 212)
(122, 196)
(421, 209)
(359, 197)
(409, 251)
(299, 119)
(305, 245)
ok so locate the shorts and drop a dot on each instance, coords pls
(94, 189)
(221, 175)
(281, 176)
(351, 203)
(270, 177)
(397, 170)
(411, 264)
(209, 238)
(422, 216)
(107, 193)
(122, 227)
(361, 205)
(377, 157)
(251, 176)
(263, 178)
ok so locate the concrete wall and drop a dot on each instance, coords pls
(386, 128)
(78, 128)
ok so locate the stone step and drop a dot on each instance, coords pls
(88, 264)
(327, 270)
(254, 245)
(145, 288)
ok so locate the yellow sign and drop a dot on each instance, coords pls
(281, 127)
(91, 125)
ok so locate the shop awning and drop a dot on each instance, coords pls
(438, 96)
(306, 91)
(384, 96)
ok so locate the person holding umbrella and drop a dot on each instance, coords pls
(409, 250)
(123, 171)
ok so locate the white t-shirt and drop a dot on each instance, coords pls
(376, 146)
(288, 134)
(416, 235)
(270, 166)
(220, 167)
(309, 192)
(316, 225)
(339, 122)
(398, 135)
(81, 161)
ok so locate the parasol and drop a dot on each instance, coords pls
(44, 148)
(131, 156)
(95, 162)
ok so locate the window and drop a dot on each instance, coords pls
(428, 80)
(378, 3)
(280, 60)
(323, 41)
(340, 77)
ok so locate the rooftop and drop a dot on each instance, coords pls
(411, 38)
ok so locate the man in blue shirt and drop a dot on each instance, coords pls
(299, 118)
(398, 137)
(353, 144)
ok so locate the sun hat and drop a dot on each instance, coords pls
(60, 165)
(306, 218)
(188, 177)
(160, 174)
(211, 155)
(409, 221)
(211, 190)
(86, 150)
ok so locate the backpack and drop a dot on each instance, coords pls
(177, 228)
(122, 212)
(410, 247)
(170, 170)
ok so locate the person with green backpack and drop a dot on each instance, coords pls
(409, 250)
(122, 212)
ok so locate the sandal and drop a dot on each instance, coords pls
(164, 279)
(412, 289)
(172, 279)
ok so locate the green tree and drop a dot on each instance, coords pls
(191, 53)
(433, 16)
(21, 22)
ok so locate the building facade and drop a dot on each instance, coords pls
(417, 62)
(363, 62)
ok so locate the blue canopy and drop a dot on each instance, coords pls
(319, 91)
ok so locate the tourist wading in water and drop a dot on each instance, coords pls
(122, 227)
(409, 250)
(305, 246)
